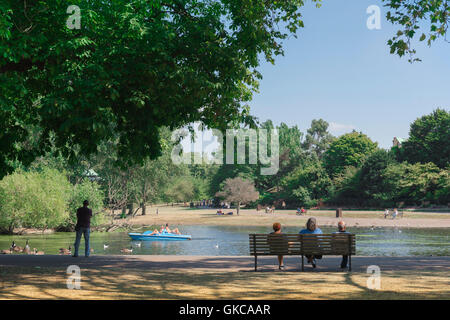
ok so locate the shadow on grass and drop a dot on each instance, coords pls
(50, 283)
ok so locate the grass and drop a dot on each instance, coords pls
(31, 283)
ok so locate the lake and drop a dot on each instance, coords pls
(233, 241)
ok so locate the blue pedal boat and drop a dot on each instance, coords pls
(146, 236)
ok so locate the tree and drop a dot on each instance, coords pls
(371, 181)
(412, 16)
(428, 140)
(348, 150)
(180, 190)
(238, 191)
(317, 137)
(306, 184)
(414, 183)
(133, 67)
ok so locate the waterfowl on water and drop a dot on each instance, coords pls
(125, 250)
(37, 252)
(138, 244)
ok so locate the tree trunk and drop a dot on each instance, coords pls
(238, 206)
(143, 209)
(130, 208)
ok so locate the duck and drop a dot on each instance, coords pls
(138, 245)
(125, 250)
(65, 251)
(27, 249)
(105, 246)
(37, 252)
(15, 247)
(9, 251)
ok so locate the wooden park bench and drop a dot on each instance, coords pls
(302, 244)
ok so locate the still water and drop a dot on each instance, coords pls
(233, 241)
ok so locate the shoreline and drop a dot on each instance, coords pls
(249, 217)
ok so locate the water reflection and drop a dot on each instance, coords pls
(233, 241)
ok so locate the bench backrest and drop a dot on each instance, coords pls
(298, 244)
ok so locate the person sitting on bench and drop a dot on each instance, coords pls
(312, 228)
(276, 234)
(341, 229)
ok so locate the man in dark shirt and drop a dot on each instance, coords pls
(82, 227)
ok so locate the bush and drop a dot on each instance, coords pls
(87, 190)
(33, 199)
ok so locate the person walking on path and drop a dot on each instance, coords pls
(394, 214)
(83, 227)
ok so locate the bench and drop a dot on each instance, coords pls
(302, 244)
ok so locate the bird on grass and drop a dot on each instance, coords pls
(27, 248)
(125, 250)
(65, 251)
(37, 252)
(15, 247)
(9, 251)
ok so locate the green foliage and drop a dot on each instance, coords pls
(307, 184)
(348, 150)
(180, 190)
(346, 187)
(412, 16)
(414, 183)
(429, 138)
(91, 191)
(371, 182)
(318, 138)
(133, 67)
(34, 199)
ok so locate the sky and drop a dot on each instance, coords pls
(339, 70)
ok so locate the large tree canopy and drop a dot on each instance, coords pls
(428, 140)
(132, 67)
(350, 149)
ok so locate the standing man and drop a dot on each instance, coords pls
(83, 227)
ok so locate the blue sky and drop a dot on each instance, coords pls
(339, 70)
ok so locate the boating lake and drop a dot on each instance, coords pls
(233, 241)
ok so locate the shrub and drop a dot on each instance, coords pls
(87, 190)
(33, 199)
